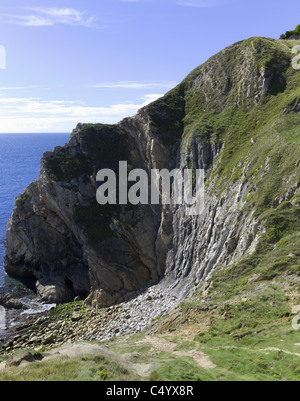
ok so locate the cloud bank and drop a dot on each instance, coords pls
(39, 16)
(36, 115)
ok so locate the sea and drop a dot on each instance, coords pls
(20, 156)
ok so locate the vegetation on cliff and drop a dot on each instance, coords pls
(288, 34)
(101, 144)
(243, 102)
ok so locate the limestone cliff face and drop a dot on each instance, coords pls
(224, 118)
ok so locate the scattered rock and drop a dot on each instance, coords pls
(296, 310)
(17, 359)
(49, 339)
(253, 278)
(85, 323)
(34, 340)
(76, 317)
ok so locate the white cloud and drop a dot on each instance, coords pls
(30, 20)
(6, 88)
(37, 115)
(51, 16)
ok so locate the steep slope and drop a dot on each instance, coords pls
(236, 116)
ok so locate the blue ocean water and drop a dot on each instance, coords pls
(20, 156)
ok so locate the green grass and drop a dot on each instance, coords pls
(250, 335)
(84, 368)
(268, 355)
(252, 365)
(166, 116)
(178, 369)
(248, 317)
(67, 309)
(64, 167)
(105, 144)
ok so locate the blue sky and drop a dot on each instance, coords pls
(73, 61)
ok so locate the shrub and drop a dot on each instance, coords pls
(288, 34)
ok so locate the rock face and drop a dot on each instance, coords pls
(8, 302)
(223, 118)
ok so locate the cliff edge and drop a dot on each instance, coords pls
(237, 118)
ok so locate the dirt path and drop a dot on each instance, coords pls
(159, 344)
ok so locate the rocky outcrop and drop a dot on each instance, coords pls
(8, 302)
(64, 239)
(69, 245)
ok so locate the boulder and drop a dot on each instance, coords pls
(49, 338)
(20, 357)
(53, 291)
(8, 302)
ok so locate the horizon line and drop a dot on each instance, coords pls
(40, 133)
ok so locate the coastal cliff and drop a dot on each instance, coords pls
(236, 117)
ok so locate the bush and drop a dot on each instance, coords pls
(288, 34)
